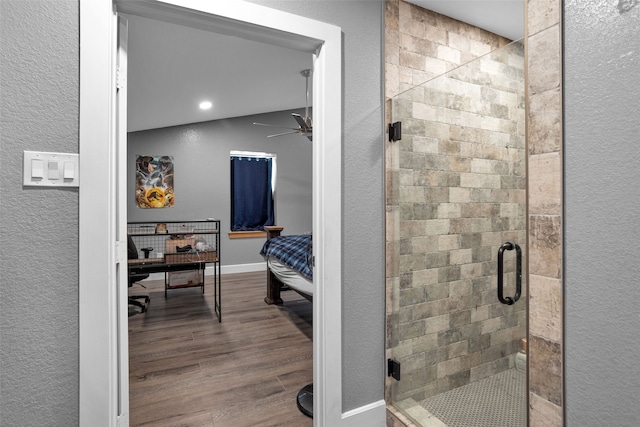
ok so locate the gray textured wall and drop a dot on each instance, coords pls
(602, 202)
(39, 227)
(202, 188)
(363, 190)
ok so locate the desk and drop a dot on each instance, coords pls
(179, 234)
(158, 265)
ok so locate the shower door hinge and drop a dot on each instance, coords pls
(395, 131)
(393, 369)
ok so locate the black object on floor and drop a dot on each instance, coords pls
(305, 400)
(135, 300)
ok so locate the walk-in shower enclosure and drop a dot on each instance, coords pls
(459, 187)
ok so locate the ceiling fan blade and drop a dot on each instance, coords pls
(284, 133)
(275, 126)
(304, 122)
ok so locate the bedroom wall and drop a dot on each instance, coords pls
(202, 187)
(363, 189)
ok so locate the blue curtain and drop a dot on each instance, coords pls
(251, 193)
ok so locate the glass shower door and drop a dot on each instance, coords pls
(458, 324)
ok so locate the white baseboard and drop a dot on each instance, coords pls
(243, 268)
(225, 269)
(371, 415)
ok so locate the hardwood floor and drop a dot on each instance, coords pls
(186, 369)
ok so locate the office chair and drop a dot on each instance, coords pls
(132, 253)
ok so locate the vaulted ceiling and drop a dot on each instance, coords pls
(172, 68)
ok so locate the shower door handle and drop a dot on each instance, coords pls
(509, 246)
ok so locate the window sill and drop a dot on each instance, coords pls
(247, 234)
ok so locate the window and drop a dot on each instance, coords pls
(253, 177)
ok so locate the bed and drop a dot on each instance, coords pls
(288, 264)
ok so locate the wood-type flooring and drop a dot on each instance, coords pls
(186, 369)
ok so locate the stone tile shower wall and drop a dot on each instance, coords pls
(404, 23)
(461, 195)
(419, 45)
(545, 145)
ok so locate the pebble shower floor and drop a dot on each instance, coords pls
(495, 401)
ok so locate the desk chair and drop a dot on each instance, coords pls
(132, 253)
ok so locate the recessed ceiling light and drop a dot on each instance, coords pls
(205, 105)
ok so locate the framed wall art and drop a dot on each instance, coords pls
(154, 182)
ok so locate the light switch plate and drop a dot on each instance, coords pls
(57, 161)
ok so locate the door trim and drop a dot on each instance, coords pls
(99, 386)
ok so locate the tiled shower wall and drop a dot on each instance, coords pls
(462, 194)
(544, 139)
(420, 45)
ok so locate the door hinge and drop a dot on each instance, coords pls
(395, 131)
(121, 252)
(121, 78)
(393, 369)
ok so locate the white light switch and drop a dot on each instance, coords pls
(54, 170)
(50, 169)
(37, 168)
(69, 169)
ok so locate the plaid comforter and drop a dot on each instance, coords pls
(293, 251)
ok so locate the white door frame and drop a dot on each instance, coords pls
(98, 247)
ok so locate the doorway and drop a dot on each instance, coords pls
(201, 368)
(102, 339)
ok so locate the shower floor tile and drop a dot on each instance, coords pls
(495, 401)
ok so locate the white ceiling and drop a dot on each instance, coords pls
(502, 17)
(173, 68)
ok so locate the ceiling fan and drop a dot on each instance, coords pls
(304, 123)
